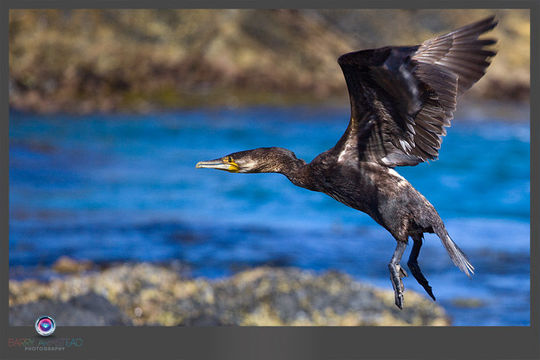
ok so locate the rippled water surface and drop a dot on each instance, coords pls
(125, 188)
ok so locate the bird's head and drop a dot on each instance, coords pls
(261, 160)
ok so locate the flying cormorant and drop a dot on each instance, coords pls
(402, 98)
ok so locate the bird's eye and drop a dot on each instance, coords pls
(229, 158)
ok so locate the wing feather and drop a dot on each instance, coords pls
(402, 98)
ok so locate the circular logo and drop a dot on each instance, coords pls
(45, 325)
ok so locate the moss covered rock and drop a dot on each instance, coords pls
(137, 60)
(157, 295)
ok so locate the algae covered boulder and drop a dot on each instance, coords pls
(145, 294)
(89, 310)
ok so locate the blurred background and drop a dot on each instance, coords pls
(111, 109)
(103, 60)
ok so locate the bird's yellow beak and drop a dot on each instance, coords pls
(219, 164)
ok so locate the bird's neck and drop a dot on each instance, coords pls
(298, 172)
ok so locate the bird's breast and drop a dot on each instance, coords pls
(373, 189)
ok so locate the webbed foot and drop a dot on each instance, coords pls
(396, 274)
(415, 268)
(417, 273)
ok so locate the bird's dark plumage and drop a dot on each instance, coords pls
(402, 98)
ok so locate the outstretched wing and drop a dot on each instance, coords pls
(402, 98)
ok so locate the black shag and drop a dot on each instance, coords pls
(402, 98)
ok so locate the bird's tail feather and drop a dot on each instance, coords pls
(456, 254)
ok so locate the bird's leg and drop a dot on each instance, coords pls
(397, 273)
(413, 264)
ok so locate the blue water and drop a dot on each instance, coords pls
(124, 188)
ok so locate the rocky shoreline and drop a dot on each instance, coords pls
(84, 61)
(149, 294)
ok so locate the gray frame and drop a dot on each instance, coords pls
(281, 342)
